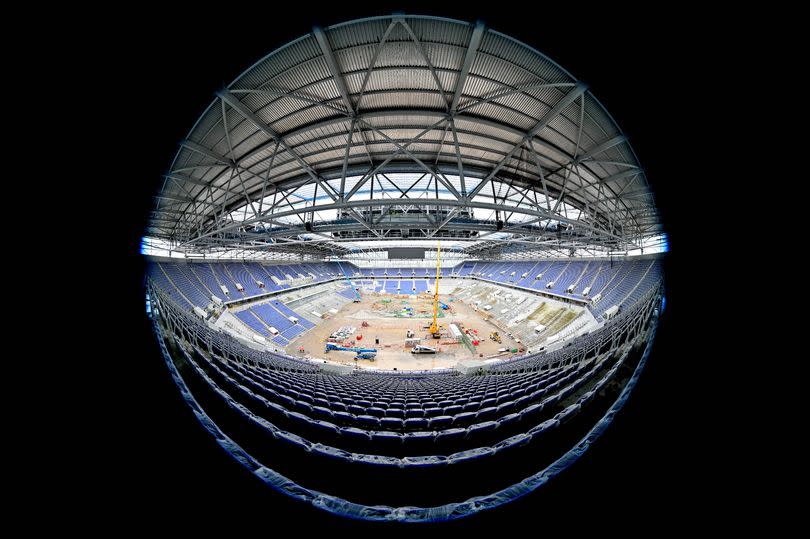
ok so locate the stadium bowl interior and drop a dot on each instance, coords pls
(399, 252)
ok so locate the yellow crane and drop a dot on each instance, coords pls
(434, 327)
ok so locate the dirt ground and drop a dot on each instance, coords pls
(386, 333)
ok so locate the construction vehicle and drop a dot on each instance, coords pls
(361, 353)
(434, 327)
(495, 336)
(408, 334)
(422, 349)
(444, 306)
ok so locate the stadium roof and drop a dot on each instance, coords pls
(405, 127)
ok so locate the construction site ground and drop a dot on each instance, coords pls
(387, 329)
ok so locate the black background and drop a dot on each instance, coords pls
(150, 76)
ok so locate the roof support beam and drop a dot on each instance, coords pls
(342, 193)
(426, 202)
(193, 146)
(247, 113)
(450, 215)
(390, 158)
(469, 57)
(569, 98)
(299, 96)
(177, 177)
(621, 175)
(516, 90)
(401, 20)
(403, 149)
(323, 43)
(185, 200)
(596, 150)
(374, 61)
(458, 158)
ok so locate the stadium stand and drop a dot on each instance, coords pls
(409, 429)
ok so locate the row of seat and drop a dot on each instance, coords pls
(414, 409)
(396, 418)
(448, 432)
(383, 441)
(463, 390)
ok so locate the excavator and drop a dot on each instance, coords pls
(434, 329)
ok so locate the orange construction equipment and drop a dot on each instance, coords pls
(434, 327)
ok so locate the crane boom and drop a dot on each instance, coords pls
(356, 293)
(434, 328)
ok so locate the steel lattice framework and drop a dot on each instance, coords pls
(405, 127)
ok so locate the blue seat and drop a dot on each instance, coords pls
(463, 419)
(544, 426)
(531, 412)
(392, 423)
(356, 410)
(338, 406)
(485, 414)
(301, 419)
(506, 408)
(508, 420)
(585, 398)
(386, 439)
(286, 401)
(375, 411)
(452, 410)
(450, 435)
(422, 441)
(537, 394)
(440, 422)
(414, 412)
(368, 421)
(550, 401)
(471, 406)
(303, 407)
(322, 413)
(395, 412)
(433, 412)
(482, 428)
(416, 423)
(568, 413)
(325, 428)
(342, 418)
